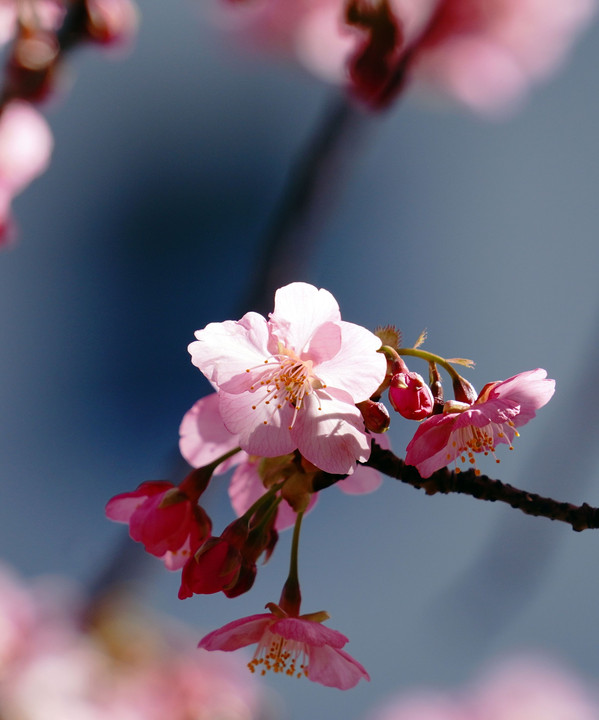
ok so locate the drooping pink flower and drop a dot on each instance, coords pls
(204, 438)
(293, 381)
(411, 396)
(464, 430)
(297, 646)
(170, 525)
(25, 148)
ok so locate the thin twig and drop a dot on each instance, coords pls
(482, 487)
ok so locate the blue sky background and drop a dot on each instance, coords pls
(167, 166)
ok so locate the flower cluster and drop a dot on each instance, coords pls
(297, 408)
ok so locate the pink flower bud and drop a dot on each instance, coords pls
(411, 396)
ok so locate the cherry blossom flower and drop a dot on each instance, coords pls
(25, 148)
(297, 646)
(482, 53)
(464, 430)
(170, 525)
(293, 381)
(204, 438)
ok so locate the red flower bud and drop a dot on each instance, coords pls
(376, 416)
(411, 396)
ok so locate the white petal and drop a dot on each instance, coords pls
(224, 351)
(299, 311)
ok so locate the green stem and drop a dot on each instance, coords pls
(267, 497)
(222, 458)
(295, 547)
(430, 357)
(291, 596)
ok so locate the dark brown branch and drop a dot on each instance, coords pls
(482, 487)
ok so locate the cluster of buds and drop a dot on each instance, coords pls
(297, 409)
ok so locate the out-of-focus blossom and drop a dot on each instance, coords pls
(293, 381)
(204, 438)
(38, 14)
(112, 22)
(25, 149)
(109, 661)
(296, 646)
(483, 53)
(522, 688)
(464, 430)
(170, 525)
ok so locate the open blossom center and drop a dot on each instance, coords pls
(287, 380)
(468, 440)
(280, 655)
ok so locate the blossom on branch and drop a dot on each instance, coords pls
(463, 430)
(297, 646)
(293, 381)
(204, 438)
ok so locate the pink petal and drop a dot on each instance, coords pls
(530, 390)
(237, 634)
(362, 481)
(121, 507)
(245, 487)
(324, 343)
(224, 351)
(204, 437)
(428, 449)
(335, 668)
(25, 145)
(299, 311)
(357, 368)
(176, 559)
(365, 479)
(263, 431)
(330, 433)
(308, 631)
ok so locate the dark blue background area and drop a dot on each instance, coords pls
(168, 164)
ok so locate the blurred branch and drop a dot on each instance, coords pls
(482, 487)
(306, 199)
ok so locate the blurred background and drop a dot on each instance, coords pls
(148, 225)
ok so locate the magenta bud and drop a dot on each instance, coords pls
(376, 416)
(410, 396)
